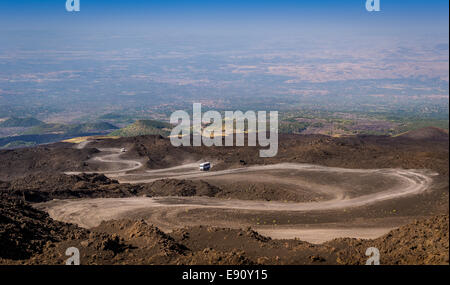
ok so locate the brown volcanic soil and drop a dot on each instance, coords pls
(422, 242)
(429, 150)
(38, 188)
(33, 238)
(429, 134)
(423, 149)
(45, 187)
(24, 231)
(53, 158)
(35, 175)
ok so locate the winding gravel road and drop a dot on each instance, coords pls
(164, 210)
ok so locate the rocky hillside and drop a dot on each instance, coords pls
(29, 236)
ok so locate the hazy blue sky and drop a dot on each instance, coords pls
(230, 16)
(147, 51)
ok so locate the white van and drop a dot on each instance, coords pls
(205, 166)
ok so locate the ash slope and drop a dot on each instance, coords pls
(426, 149)
(36, 175)
(41, 240)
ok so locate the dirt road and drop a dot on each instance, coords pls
(112, 158)
(166, 211)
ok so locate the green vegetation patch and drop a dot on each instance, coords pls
(14, 122)
(144, 127)
(70, 129)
